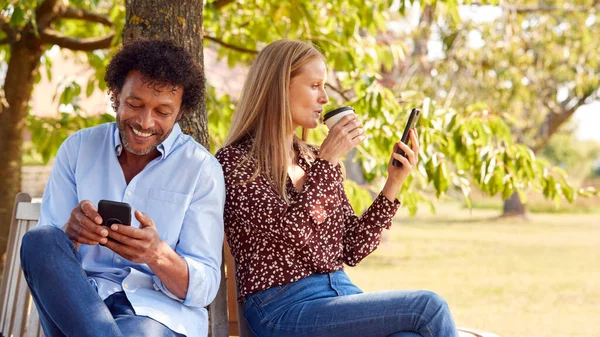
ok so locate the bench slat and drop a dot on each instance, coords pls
(9, 269)
(28, 211)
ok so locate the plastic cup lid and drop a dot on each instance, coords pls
(336, 111)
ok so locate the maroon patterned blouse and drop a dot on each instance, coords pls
(274, 242)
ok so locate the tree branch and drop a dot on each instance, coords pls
(554, 120)
(52, 37)
(222, 3)
(85, 15)
(6, 28)
(46, 13)
(537, 9)
(542, 8)
(230, 46)
(338, 91)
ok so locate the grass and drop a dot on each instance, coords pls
(535, 278)
(536, 203)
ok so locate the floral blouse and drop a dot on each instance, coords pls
(275, 242)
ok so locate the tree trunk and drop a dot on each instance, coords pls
(181, 22)
(514, 207)
(18, 85)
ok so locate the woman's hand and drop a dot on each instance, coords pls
(342, 138)
(397, 175)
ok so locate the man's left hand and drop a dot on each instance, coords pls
(138, 245)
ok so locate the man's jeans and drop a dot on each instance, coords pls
(66, 301)
(330, 305)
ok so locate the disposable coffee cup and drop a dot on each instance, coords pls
(332, 117)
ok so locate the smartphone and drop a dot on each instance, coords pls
(114, 212)
(412, 122)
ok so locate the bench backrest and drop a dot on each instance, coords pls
(19, 317)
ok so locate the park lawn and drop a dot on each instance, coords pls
(539, 278)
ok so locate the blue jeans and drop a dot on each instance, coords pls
(67, 303)
(330, 305)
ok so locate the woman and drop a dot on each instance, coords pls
(288, 220)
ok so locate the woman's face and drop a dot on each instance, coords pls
(307, 94)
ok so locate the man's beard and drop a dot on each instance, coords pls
(122, 125)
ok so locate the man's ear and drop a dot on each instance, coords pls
(179, 115)
(115, 97)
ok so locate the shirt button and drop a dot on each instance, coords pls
(125, 286)
(118, 260)
(128, 193)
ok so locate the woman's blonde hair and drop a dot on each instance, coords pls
(263, 112)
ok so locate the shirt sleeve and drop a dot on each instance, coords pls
(60, 195)
(256, 203)
(362, 234)
(201, 238)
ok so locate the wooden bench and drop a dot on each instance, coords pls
(19, 318)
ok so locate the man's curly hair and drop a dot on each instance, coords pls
(163, 62)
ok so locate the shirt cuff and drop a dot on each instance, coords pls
(382, 211)
(199, 290)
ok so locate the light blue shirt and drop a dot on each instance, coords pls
(182, 190)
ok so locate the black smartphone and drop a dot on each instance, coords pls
(114, 212)
(412, 122)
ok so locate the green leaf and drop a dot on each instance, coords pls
(441, 179)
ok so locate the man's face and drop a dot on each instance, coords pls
(146, 113)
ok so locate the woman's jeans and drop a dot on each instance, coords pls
(329, 305)
(67, 303)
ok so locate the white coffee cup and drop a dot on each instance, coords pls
(332, 117)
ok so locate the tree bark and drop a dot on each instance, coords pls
(180, 22)
(18, 85)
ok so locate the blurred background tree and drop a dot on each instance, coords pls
(538, 61)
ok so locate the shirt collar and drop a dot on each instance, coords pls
(164, 148)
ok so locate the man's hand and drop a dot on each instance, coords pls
(85, 225)
(138, 245)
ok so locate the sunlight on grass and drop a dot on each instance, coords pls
(536, 278)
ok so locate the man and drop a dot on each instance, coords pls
(155, 277)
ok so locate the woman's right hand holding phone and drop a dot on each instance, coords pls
(85, 225)
(343, 137)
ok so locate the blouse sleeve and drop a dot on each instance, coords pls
(362, 234)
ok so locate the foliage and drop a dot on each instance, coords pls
(47, 133)
(575, 156)
(538, 61)
(459, 146)
(463, 142)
